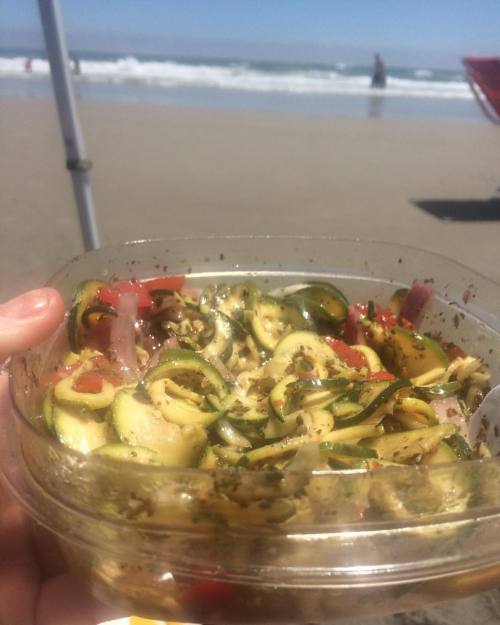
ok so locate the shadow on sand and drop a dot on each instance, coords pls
(462, 210)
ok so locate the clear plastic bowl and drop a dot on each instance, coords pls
(223, 546)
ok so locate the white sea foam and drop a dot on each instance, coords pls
(423, 73)
(245, 77)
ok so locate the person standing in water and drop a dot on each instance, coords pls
(77, 69)
(379, 77)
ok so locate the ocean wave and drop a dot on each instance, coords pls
(423, 73)
(244, 77)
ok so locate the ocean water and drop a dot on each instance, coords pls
(317, 89)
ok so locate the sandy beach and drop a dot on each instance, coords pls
(161, 171)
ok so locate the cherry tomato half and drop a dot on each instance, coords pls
(88, 382)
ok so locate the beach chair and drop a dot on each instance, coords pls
(483, 76)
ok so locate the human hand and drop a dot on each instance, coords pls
(35, 587)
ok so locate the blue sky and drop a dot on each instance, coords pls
(435, 32)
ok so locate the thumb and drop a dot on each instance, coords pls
(29, 319)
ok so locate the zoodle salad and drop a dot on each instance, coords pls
(166, 374)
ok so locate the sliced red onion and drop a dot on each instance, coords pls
(353, 334)
(414, 303)
(448, 410)
(123, 331)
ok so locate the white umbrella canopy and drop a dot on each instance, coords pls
(77, 162)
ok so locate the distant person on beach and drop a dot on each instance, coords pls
(28, 65)
(77, 70)
(378, 78)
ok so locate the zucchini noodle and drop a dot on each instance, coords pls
(257, 378)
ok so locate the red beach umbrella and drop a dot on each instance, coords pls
(483, 74)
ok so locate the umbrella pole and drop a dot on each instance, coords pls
(76, 160)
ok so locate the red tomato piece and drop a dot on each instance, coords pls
(350, 356)
(172, 283)
(91, 381)
(208, 594)
(453, 351)
(88, 382)
(380, 376)
(408, 325)
(110, 293)
(386, 318)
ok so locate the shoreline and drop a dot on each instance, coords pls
(379, 104)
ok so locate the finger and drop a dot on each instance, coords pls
(19, 574)
(25, 321)
(64, 599)
(29, 319)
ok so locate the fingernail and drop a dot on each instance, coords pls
(26, 306)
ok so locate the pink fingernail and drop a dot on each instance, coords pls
(26, 306)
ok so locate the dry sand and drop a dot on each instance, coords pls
(161, 171)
